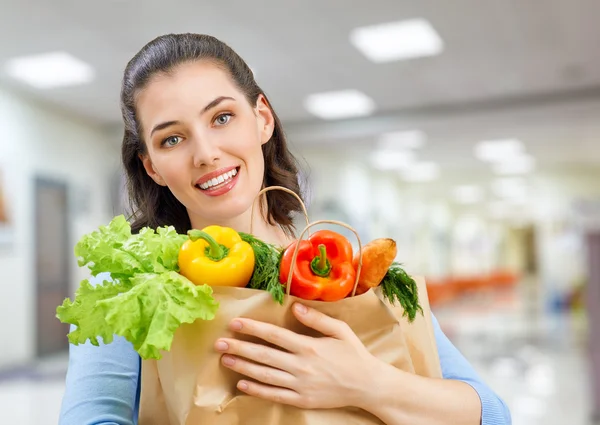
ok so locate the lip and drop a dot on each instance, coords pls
(222, 190)
(214, 174)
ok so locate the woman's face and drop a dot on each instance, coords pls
(204, 141)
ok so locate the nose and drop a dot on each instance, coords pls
(206, 151)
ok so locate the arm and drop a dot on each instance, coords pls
(461, 396)
(455, 366)
(338, 371)
(102, 385)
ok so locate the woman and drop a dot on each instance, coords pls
(201, 140)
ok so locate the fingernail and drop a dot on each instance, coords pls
(222, 346)
(228, 360)
(301, 308)
(236, 325)
(242, 386)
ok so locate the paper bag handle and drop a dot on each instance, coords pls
(297, 248)
(284, 189)
(305, 231)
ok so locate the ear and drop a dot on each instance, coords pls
(151, 170)
(266, 120)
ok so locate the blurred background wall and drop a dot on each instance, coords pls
(41, 144)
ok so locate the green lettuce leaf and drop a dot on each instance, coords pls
(147, 299)
(157, 251)
(86, 315)
(156, 305)
(114, 249)
(102, 250)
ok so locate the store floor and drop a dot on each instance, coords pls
(534, 360)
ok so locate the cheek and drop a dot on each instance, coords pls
(249, 150)
(256, 159)
(172, 173)
(257, 173)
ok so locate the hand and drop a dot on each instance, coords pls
(312, 373)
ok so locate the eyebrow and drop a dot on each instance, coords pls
(213, 104)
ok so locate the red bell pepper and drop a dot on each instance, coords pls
(323, 270)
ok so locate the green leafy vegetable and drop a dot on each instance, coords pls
(266, 269)
(156, 305)
(114, 249)
(84, 314)
(147, 299)
(398, 287)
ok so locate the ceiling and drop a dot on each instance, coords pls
(508, 66)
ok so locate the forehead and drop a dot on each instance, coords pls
(194, 83)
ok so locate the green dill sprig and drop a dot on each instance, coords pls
(398, 286)
(266, 268)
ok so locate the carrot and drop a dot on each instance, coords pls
(377, 257)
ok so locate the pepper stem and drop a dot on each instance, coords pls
(215, 251)
(320, 265)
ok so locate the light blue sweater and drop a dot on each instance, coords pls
(103, 384)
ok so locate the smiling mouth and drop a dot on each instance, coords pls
(219, 181)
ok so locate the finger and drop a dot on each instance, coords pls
(258, 353)
(264, 374)
(320, 322)
(276, 335)
(274, 394)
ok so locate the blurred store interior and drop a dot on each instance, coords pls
(467, 131)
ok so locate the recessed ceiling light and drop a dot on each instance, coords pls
(392, 160)
(399, 140)
(468, 194)
(421, 172)
(397, 40)
(50, 70)
(499, 150)
(339, 104)
(522, 164)
(512, 188)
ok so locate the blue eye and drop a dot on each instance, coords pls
(171, 141)
(223, 119)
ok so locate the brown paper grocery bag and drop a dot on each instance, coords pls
(189, 386)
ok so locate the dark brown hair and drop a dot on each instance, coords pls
(153, 205)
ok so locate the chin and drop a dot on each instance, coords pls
(231, 211)
(228, 207)
(227, 210)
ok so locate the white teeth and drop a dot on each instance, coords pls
(219, 179)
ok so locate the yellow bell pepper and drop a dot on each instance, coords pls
(216, 256)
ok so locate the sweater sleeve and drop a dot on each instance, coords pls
(455, 366)
(102, 385)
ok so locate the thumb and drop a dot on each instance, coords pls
(320, 322)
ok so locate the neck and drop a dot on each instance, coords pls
(259, 228)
